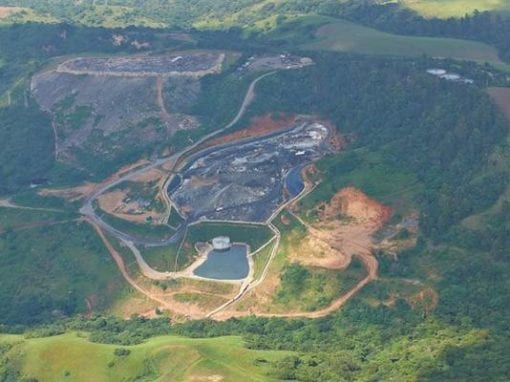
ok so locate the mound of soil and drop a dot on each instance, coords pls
(353, 204)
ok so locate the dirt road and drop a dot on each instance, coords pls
(122, 267)
(161, 100)
(88, 211)
(6, 203)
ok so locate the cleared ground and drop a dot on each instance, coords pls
(71, 358)
(501, 97)
(334, 253)
(344, 36)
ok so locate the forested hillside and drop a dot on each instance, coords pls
(489, 26)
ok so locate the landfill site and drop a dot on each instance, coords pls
(248, 181)
(274, 61)
(190, 63)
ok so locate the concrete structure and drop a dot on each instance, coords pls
(221, 243)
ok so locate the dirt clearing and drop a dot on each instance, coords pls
(77, 193)
(344, 229)
(501, 97)
(8, 11)
(351, 203)
(258, 126)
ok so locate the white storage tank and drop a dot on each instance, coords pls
(221, 243)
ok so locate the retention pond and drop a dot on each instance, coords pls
(231, 264)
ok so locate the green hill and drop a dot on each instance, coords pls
(71, 357)
(456, 8)
(344, 36)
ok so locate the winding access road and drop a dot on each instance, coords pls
(88, 211)
(177, 160)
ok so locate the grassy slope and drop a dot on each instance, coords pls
(10, 15)
(456, 8)
(100, 16)
(159, 359)
(116, 17)
(344, 36)
(11, 218)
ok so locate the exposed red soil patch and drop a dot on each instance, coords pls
(501, 97)
(258, 126)
(7, 11)
(344, 230)
(354, 204)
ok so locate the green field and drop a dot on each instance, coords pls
(455, 8)
(70, 357)
(344, 36)
(163, 258)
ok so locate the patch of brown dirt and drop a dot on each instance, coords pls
(344, 229)
(426, 299)
(151, 175)
(353, 204)
(501, 97)
(135, 304)
(196, 181)
(189, 298)
(258, 126)
(258, 300)
(72, 194)
(318, 250)
(116, 203)
(8, 11)
(205, 378)
(87, 189)
(111, 202)
(336, 140)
